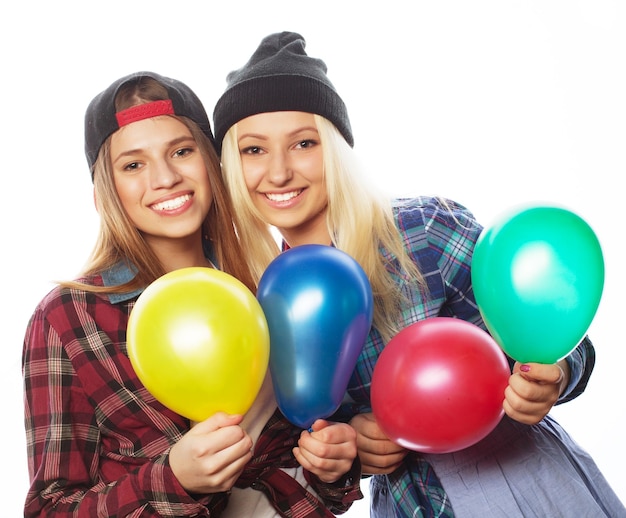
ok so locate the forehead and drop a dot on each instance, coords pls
(272, 122)
(149, 132)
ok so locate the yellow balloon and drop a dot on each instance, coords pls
(199, 342)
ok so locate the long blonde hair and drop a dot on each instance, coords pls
(120, 241)
(360, 222)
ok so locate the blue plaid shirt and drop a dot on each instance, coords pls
(440, 237)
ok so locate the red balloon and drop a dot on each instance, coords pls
(438, 386)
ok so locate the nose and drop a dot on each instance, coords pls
(163, 175)
(280, 168)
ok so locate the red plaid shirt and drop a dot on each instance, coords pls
(98, 441)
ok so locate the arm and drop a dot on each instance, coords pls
(530, 395)
(76, 458)
(580, 362)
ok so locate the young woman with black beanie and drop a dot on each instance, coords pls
(287, 158)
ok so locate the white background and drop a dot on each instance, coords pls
(491, 103)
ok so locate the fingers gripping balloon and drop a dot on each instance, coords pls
(199, 342)
(538, 276)
(318, 304)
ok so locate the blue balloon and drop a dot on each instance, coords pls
(319, 306)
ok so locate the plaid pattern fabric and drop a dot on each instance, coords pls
(416, 485)
(289, 498)
(440, 236)
(98, 441)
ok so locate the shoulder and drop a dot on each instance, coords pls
(70, 315)
(434, 215)
(56, 297)
(62, 300)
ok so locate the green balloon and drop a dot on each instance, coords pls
(538, 276)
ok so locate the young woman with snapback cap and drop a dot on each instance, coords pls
(286, 148)
(98, 443)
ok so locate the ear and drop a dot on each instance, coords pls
(95, 200)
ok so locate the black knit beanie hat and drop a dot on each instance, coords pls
(280, 77)
(101, 120)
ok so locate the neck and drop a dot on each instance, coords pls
(313, 233)
(184, 253)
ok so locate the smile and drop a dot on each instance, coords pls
(283, 196)
(172, 204)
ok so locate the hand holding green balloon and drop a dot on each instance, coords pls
(538, 276)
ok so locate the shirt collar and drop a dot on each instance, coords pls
(120, 273)
(123, 272)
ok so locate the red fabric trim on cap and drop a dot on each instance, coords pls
(144, 111)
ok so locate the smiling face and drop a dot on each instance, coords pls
(282, 162)
(161, 179)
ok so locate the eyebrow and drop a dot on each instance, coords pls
(290, 134)
(173, 142)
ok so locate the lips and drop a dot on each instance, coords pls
(173, 204)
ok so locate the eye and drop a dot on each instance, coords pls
(251, 150)
(306, 144)
(132, 166)
(183, 151)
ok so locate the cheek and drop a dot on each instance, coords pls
(311, 163)
(313, 170)
(252, 176)
(206, 189)
(129, 192)
(200, 175)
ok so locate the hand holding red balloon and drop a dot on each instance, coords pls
(379, 455)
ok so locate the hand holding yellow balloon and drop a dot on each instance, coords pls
(199, 342)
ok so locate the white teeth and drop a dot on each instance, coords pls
(284, 196)
(172, 204)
